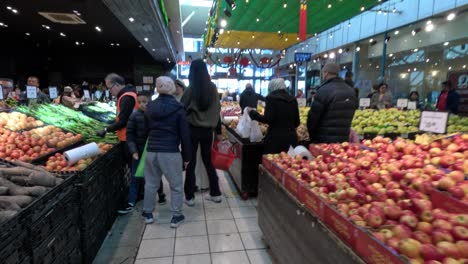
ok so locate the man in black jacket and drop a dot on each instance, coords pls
(249, 98)
(331, 113)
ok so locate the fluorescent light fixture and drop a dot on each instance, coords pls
(358, 48)
(14, 11)
(397, 32)
(131, 19)
(446, 43)
(27, 34)
(332, 55)
(98, 29)
(46, 27)
(62, 34)
(340, 51)
(77, 43)
(451, 16)
(9, 7)
(223, 23)
(146, 39)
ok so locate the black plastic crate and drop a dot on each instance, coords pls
(71, 256)
(17, 251)
(54, 247)
(64, 211)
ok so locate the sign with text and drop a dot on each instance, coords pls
(302, 57)
(301, 102)
(86, 94)
(434, 122)
(364, 102)
(1, 93)
(148, 79)
(53, 92)
(146, 87)
(31, 92)
(402, 103)
(412, 105)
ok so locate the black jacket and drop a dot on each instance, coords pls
(331, 113)
(126, 108)
(167, 126)
(453, 100)
(282, 117)
(136, 132)
(249, 98)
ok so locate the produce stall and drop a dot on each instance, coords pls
(52, 211)
(388, 201)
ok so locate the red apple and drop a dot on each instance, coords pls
(440, 214)
(456, 176)
(442, 224)
(450, 261)
(439, 235)
(409, 247)
(446, 161)
(409, 220)
(430, 252)
(355, 218)
(422, 237)
(392, 212)
(401, 231)
(351, 192)
(393, 243)
(460, 219)
(387, 233)
(445, 183)
(421, 205)
(379, 236)
(462, 247)
(425, 227)
(448, 249)
(426, 216)
(457, 192)
(373, 220)
(460, 233)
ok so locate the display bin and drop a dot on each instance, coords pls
(72, 255)
(244, 168)
(447, 202)
(375, 252)
(311, 201)
(17, 251)
(293, 234)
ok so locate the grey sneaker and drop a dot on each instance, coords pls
(190, 202)
(215, 199)
(177, 220)
(148, 217)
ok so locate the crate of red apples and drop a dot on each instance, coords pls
(379, 197)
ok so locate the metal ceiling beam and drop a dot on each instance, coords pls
(148, 23)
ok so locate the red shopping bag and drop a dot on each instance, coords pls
(221, 161)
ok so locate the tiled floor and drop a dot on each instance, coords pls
(212, 233)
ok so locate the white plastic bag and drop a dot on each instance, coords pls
(224, 146)
(255, 132)
(243, 127)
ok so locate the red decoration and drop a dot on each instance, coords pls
(264, 60)
(303, 20)
(244, 62)
(227, 59)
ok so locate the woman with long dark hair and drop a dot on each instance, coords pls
(202, 106)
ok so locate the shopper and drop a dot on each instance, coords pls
(167, 129)
(375, 90)
(249, 98)
(349, 78)
(331, 113)
(414, 97)
(137, 134)
(383, 98)
(126, 103)
(300, 94)
(282, 117)
(41, 97)
(203, 107)
(67, 99)
(180, 88)
(453, 99)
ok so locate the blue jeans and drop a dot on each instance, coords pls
(135, 184)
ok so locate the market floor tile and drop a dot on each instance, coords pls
(213, 233)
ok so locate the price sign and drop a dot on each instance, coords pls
(434, 122)
(148, 79)
(402, 103)
(107, 93)
(31, 92)
(364, 102)
(412, 105)
(301, 102)
(1, 93)
(53, 92)
(146, 87)
(86, 94)
(139, 88)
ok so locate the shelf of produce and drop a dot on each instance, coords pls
(244, 169)
(293, 233)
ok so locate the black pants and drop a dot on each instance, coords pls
(204, 137)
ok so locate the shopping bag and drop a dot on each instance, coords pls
(255, 134)
(221, 161)
(243, 127)
(140, 171)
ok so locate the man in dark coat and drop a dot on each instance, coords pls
(282, 117)
(453, 98)
(249, 98)
(331, 113)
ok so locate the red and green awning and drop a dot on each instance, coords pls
(274, 24)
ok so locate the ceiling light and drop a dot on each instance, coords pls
(258, 19)
(238, 42)
(82, 43)
(394, 10)
(62, 34)
(286, 39)
(14, 11)
(450, 68)
(77, 43)
(253, 36)
(358, 48)
(153, 49)
(331, 35)
(46, 27)
(428, 22)
(326, 55)
(415, 31)
(379, 12)
(131, 19)
(415, 50)
(451, 16)
(429, 28)
(363, 8)
(27, 34)
(446, 43)
(371, 40)
(340, 51)
(118, 44)
(434, 73)
(464, 66)
(279, 31)
(146, 39)
(98, 29)
(390, 55)
(285, 5)
(427, 60)
(332, 55)
(221, 31)
(8, 7)
(415, 69)
(349, 24)
(329, 6)
(297, 38)
(112, 44)
(397, 32)
(223, 23)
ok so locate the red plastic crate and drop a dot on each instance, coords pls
(277, 172)
(373, 251)
(447, 202)
(266, 163)
(291, 184)
(311, 201)
(344, 228)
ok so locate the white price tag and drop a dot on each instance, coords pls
(31, 92)
(402, 103)
(1, 93)
(412, 105)
(86, 94)
(364, 102)
(434, 122)
(146, 87)
(107, 94)
(301, 102)
(53, 92)
(139, 88)
(148, 79)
